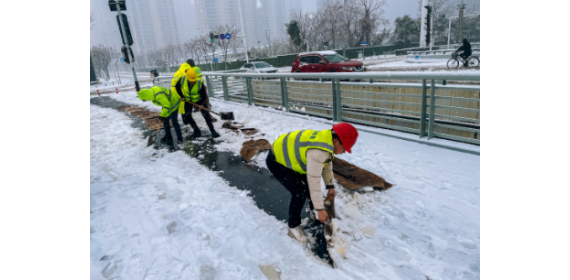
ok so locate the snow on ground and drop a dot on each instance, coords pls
(426, 225)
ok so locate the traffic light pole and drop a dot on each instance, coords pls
(128, 48)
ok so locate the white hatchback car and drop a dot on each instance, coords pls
(259, 67)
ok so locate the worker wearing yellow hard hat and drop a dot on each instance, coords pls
(192, 89)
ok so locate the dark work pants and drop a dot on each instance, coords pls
(295, 183)
(188, 115)
(166, 123)
(464, 55)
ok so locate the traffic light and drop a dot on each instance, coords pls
(126, 56)
(113, 5)
(211, 37)
(129, 39)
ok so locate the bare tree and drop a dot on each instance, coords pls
(332, 17)
(372, 14)
(268, 38)
(92, 19)
(101, 57)
(225, 44)
(349, 15)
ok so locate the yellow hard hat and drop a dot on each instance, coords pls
(191, 75)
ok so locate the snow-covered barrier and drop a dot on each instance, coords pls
(431, 56)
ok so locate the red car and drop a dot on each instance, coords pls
(325, 61)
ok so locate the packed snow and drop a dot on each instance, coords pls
(162, 215)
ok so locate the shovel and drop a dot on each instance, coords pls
(223, 115)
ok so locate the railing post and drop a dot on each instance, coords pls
(423, 114)
(334, 107)
(249, 92)
(225, 86)
(337, 101)
(431, 109)
(284, 94)
(209, 85)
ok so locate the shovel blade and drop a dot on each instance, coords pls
(227, 115)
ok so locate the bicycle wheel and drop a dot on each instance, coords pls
(452, 63)
(473, 62)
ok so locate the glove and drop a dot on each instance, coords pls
(163, 118)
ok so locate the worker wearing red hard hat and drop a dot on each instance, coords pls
(298, 160)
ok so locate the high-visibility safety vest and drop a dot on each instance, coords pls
(162, 97)
(290, 149)
(198, 72)
(193, 94)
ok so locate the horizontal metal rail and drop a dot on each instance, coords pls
(376, 109)
(456, 118)
(457, 127)
(457, 138)
(360, 75)
(338, 103)
(457, 98)
(383, 101)
(383, 117)
(457, 108)
(416, 131)
(384, 93)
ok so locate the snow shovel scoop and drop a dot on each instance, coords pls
(223, 115)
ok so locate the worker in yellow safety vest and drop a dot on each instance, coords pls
(169, 102)
(298, 160)
(196, 68)
(192, 89)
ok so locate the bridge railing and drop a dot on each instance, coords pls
(421, 107)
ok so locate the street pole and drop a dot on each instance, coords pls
(449, 33)
(461, 8)
(117, 68)
(243, 30)
(431, 32)
(138, 88)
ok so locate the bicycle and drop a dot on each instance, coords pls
(456, 60)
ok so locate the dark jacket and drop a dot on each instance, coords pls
(466, 48)
(202, 92)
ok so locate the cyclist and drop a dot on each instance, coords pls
(466, 48)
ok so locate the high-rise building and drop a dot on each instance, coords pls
(261, 18)
(153, 24)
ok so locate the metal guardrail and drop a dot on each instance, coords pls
(424, 108)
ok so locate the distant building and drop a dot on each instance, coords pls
(153, 23)
(260, 18)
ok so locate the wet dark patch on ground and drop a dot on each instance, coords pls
(268, 194)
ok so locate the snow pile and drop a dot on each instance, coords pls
(426, 225)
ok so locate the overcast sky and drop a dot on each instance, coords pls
(393, 9)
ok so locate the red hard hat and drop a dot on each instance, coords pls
(347, 134)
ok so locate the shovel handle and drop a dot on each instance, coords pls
(204, 107)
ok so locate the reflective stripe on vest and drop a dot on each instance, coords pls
(291, 149)
(168, 95)
(194, 94)
(198, 71)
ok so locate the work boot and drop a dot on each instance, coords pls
(298, 234)
(196, 133)
(166, 139)
(215, 134)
